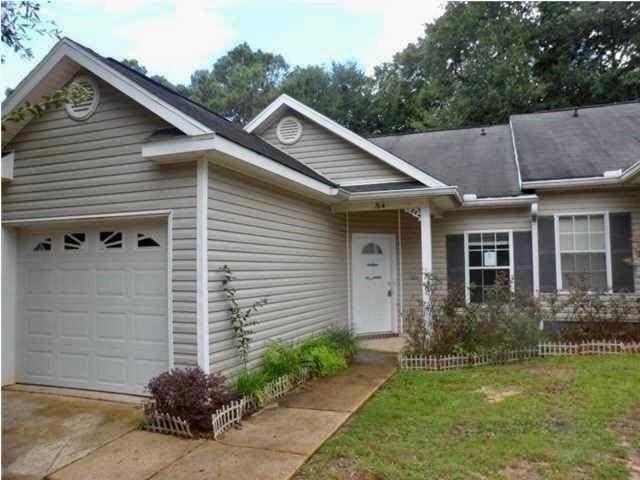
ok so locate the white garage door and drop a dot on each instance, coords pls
(93, 305)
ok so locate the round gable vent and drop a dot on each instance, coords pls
(289, 130)
(84, 97)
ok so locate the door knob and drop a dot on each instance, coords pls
(389, 293)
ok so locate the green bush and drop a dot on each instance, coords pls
(343, 340)
(323, 359)
(280, 359)
(251, 382)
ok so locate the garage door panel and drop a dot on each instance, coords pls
(75, 325)
(112, 283)
(93, 317)
(40, 364)
(74, 367)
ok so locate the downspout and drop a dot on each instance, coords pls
(401, 279)
(349, 319)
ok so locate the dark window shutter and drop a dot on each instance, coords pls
(547, 254)
(621, 252)
(455, 262)
(523, 262)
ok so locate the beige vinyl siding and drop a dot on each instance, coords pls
(593, 202)
(68, 168)
(333, 157)
(458, 222)
(281, 247)
(386, 221)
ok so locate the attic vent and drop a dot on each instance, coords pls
(84, 97)
(289, 130)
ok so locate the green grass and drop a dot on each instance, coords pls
(573, 418)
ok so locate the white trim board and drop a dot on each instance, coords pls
(202, 264)
(344, 133)
(67, 48)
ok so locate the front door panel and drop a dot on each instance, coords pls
(373, 282)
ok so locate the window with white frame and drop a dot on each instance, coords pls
(489, 260)
(583, 252)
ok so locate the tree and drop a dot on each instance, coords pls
(240, 84)
(19, 21)
(343, 92)
(482, 61)
(589, 52)
(134, 64)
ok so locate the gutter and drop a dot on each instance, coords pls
(611, 178)
(489, 202)
(406, 193)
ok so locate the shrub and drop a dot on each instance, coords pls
(505, 321)
(600, 330)
(251, 382)
(322, 359)
(343, 340)
(189, 394)
(280, 359)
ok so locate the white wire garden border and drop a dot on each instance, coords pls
(232, 413)
(547, 349)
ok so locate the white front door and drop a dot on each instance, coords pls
(373, 280)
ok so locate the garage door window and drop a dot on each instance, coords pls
(145, 241)
(42, 243)
(75, 241)
(111, 241)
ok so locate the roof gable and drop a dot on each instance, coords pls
(560, 145)
(330, 155)
(265, 119)
(67, 57)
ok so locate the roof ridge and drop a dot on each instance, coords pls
(435, 130)
(579, 107)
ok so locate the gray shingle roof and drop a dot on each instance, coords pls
(480, 164)
(557, 145)
(216, 122)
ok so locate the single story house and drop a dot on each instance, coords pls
(118, 213)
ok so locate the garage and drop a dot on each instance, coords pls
(92, 305)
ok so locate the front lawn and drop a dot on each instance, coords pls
(565, 418)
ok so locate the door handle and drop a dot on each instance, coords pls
(389, 293)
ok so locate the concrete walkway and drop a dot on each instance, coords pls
(271, 445)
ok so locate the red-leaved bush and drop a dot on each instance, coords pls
(189, 394)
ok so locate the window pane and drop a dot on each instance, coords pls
(596, 223)
(475, 294)
(598, 281)
(489, 258)
(475, 277)
(567, 261)
(597, 241)
(598, 262)
(503, 258)
(580, 224)
(502, 238)
(474, 238)
(566, 243)
(488, 237)
(475, 259)
(582, 262)
(503, 277)
(567, 280)
(489, 277)
(566, 225)
(582, 241)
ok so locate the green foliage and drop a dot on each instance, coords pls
(323, 360)
(19, 20)
(566, 421)
(446, 325)
(251, 383)
(343, 340)
(134, 64)
(241, 321)
(280, 359)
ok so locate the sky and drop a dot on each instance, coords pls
(175, 37)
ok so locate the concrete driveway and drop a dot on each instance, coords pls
(42, 433)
